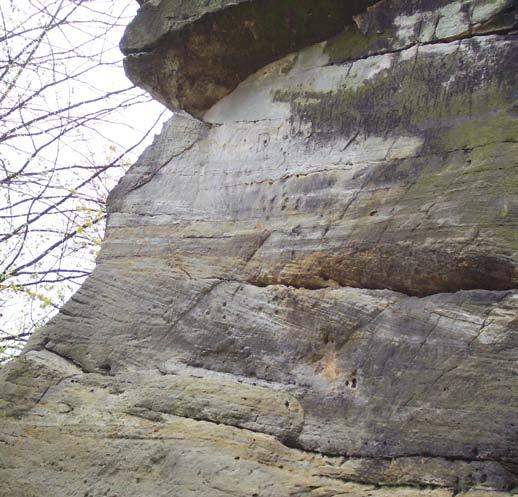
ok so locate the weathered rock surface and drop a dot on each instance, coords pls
(312, 291)
(190, 53)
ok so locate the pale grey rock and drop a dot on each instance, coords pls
(310, 292)
(393, 25)
(327, 178)
(24, 382)
(87, 436)
(158, 18)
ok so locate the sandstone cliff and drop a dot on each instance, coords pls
(308, 283)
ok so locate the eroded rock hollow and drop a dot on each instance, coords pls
(308, 285)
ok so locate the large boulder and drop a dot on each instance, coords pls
(310, 287)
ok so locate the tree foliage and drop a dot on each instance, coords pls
(67, 134)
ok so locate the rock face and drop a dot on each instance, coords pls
(191, 53)
(309, 289)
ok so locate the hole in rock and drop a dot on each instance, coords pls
(105, 367)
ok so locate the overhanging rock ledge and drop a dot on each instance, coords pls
(308, 285)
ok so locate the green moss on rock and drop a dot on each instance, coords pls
(419, 94)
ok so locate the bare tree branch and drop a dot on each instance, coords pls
(65, 140)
